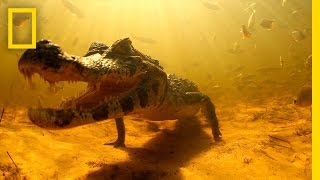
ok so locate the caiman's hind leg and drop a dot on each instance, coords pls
(121, 134)
(208, 110)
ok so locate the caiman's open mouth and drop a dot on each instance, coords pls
(98, 91)
(108, 78)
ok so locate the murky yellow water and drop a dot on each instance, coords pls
(192, 38)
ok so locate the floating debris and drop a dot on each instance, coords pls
(298, 35)
(252, 19)
(2, 112)
(307, 31)
(73, 8)
(13, 161)
(235, 48)
(268, 69)
(55, 87)
(245, 77)
(211, 5)
(304, 97)
(246, 34)
(20, 20)
(144, 39)
(267, 24)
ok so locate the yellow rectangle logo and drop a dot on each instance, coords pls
(33, 12)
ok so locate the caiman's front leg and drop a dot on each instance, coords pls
(121, 134)
(208, 110)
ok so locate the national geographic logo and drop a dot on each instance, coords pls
(17, 17)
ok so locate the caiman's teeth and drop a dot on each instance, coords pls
(63, 99)
(40, 102)
(52, 84)
(29, 80)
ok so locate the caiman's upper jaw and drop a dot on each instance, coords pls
(50, 62)
(68, 73)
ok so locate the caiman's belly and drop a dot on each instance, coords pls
(167, 113)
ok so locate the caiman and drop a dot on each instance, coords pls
(121, 80)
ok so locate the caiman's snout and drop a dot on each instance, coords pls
(49, 61)
(46, 54)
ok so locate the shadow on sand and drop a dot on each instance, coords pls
(162, 157)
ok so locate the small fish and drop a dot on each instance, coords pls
(284, 2)
(20, 20)
(211, 5)
(304, 96)
(214, 37)
(75, 41)
(294, 13)
(246, 34)
(217, 86)
(237, 68)
(144, 39)
(281, 61)
(251, 6)
(73, 8)
(252, 20)
(268, 81)
(308, 62)
(297, 35)
(267, 24)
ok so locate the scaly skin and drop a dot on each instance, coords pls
(121, 81)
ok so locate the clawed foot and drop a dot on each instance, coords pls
(117, 143)
(217, 136)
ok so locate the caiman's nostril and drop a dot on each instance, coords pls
(44, 41)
